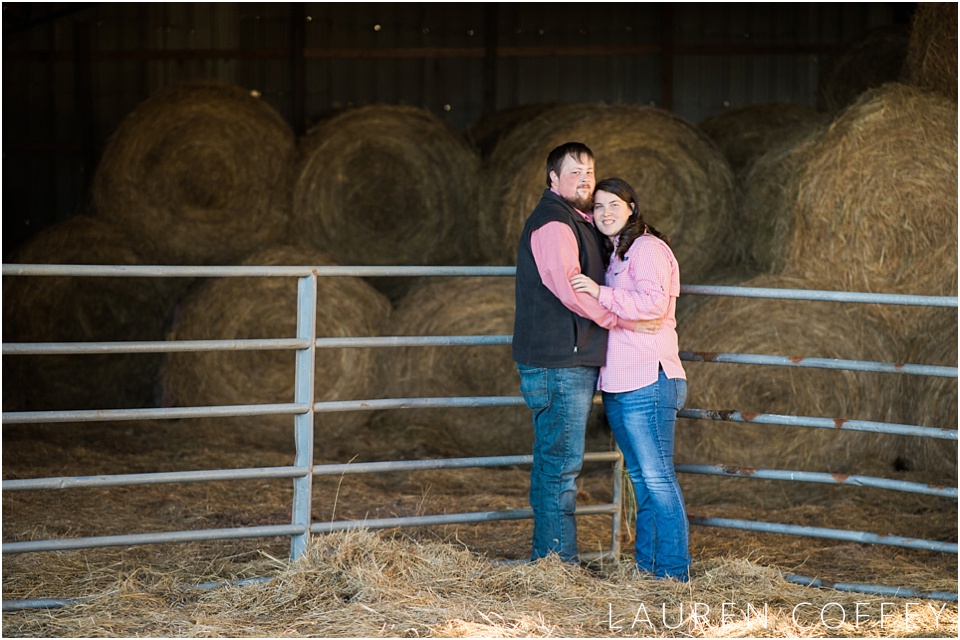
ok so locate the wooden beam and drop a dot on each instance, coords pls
(491, 16)
(83, 100)
(355, 53)
(666, 55)
(298, 68)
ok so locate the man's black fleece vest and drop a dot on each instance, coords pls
(546, 333)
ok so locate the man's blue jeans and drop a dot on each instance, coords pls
(643, 423)
(561, 400)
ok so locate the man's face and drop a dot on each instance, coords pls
(576, 181)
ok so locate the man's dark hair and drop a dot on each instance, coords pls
(575, 150)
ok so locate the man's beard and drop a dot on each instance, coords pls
(581, 204)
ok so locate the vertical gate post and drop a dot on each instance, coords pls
(303, 422)
(617, 500)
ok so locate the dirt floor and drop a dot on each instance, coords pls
(93, 449)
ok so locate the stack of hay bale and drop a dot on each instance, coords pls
(866, 203)
(197, 174)
(208, 174)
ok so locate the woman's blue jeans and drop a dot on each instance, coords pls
(643, 423)
(561, 400)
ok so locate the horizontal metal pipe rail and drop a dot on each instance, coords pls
(446, 463)
(299, 408)
(893, 592)
(218, 475)
(731, 471)
(75, 348)
(451, 518)
(731, 415)
(156, 346)
(112, 415)
(820, 295)
(284, 472)
(275, 271)
(135, 271)
(160, 537)
(169, 477)
(379, 404)
(821, 363)
(171, 346)
(41, 603)
(823, 532)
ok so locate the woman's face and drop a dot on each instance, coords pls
(610, 213)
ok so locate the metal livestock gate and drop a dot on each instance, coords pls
(303, 409)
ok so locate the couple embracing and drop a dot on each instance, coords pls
(574, 335)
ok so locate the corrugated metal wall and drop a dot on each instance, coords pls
(72, 72)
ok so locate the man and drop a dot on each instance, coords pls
(560, 341)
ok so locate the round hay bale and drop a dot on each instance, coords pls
(931, 61)
(876, 206)
(486, 132)
(930, 401)
(82, 309)
(459, 306)
(685, 182)
(867, 62)
(265, 307)
(387, 185)
(796, 329)
(203, 170)
(768, 195)
(750, 131)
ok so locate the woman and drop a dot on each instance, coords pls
(643, 382)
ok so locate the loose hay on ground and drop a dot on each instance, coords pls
(265, 307)
(359, 584)
(146, 589)
(202, 170)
